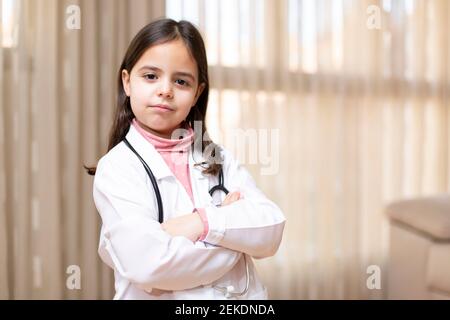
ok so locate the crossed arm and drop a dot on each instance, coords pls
(247, 221)
(154, 255)
(190, 225)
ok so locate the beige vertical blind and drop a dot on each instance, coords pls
(57, 95)
(358, 92)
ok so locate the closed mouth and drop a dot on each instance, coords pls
(162, 106)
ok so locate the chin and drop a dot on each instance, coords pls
(161, 130)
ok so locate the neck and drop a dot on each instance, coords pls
(161, 134)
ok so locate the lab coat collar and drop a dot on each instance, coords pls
(154, 160)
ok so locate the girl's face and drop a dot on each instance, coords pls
(163, 87)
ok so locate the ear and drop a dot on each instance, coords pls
(126, 82)
(200, 89)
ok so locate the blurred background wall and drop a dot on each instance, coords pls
(356, 91)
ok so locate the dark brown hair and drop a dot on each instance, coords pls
(158, 32)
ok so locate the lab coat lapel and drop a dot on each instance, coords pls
(169, 191)
(176, 201)
(199, 181)
(150, 155)
(167, 182)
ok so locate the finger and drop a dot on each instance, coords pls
(228, 199)
(236, 196)
(229, 195)
(233, 196)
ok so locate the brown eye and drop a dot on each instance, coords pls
(182, 82)
(150, 76)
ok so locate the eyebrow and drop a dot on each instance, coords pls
(179, 73)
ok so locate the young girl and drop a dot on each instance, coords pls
(163, 233)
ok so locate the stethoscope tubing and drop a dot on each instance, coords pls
(152, 179)
(227, 291)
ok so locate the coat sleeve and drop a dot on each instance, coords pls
(133, 242)
(253, 225)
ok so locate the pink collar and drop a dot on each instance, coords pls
(166, 145)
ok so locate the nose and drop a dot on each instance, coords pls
(165, 91)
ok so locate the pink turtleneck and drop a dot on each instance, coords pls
(175, 153)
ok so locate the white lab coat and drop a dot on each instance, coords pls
(148, 263)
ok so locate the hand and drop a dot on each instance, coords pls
(188, 225)
(231, 197)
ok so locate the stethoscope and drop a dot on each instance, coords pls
(228, 291)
